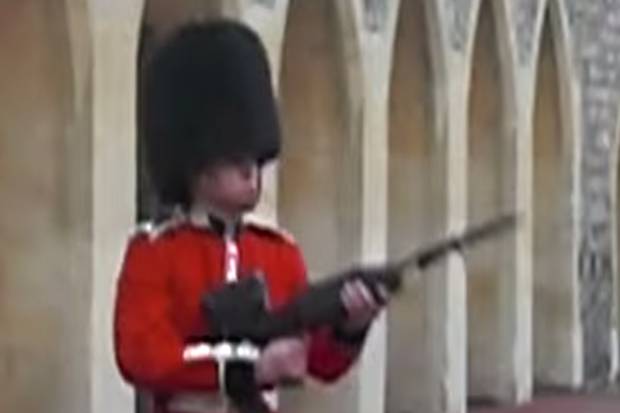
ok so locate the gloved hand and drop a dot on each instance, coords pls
(283, 361)
(362, 305)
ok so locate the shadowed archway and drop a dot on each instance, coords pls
(556, 335)
(319, 191)
(415, 210)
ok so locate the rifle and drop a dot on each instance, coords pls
(238, 312)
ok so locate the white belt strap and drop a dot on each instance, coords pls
(231, 257)
(221, 352)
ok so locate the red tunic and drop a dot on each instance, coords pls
(157, 306)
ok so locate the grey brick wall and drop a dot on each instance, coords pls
(525, 13)
(595, 27)
(458, 12)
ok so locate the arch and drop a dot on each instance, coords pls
(319, 188)
(492, 300)
(45, 328)
(319, 149)
(556, 324)
(416, 208)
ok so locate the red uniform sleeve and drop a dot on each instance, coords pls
(328, 357)
(149, 350)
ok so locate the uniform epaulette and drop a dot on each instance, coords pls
(266, 225)
(154, 230)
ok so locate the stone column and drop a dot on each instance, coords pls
(450, 25)
(557, 341)
(499, 279)
(115, 28)
(320, 180)
(417, 210)
(375, 32)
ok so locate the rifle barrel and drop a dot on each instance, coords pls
(426, 256)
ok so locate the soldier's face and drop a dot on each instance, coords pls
(232, 186)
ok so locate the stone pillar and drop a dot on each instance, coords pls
(332, 171)
(319, 192)
(499, 294)
(523, 21)
(558, 351)
(115, 28)
(376, 26)
(417, 210)
(487, 267)
(450, 25)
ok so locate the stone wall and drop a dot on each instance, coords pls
(431, 127)
(595, 27)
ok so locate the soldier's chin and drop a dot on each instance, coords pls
(248, 206)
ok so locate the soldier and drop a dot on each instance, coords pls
(212, 125)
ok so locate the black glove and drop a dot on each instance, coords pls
(234, 310)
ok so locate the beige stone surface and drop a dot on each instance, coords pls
(404, 121)
(556, 319)
(44, 291)
(316, 201)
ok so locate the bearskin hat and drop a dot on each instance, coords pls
(207, 96)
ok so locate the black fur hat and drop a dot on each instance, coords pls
(208, 96)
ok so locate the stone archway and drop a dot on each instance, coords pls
(557, 335)
(318, 147)
(491, 172)
(319, 192)
(415, 211)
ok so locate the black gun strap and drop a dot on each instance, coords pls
(242, 389)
